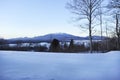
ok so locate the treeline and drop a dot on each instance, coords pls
(54, 46)
(108, 44)
(21, 46)
(67, 47)
(57, 46)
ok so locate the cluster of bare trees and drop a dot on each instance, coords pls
(114, 5)
(92, 12)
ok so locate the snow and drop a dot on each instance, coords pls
(59, 66)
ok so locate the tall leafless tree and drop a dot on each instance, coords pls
(114, 5)
(86, 9)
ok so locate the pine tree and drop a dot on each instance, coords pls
(71, 46)
(55, 46)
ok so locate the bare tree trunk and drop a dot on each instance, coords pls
(117, 30)
(90, 37)
(90, 28)
(101, 30)
(107, 37)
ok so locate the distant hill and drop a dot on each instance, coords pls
(59, 36)
(50, 37)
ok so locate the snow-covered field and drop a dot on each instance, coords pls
(59, 66)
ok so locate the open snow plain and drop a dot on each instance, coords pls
(59, 66)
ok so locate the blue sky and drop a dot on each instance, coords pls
(29, 18)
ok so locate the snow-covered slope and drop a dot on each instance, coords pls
(59, 66)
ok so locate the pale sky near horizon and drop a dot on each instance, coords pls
(29, 18)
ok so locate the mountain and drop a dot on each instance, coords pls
(50, 37)
(59, 36)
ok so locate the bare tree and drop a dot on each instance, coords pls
(117, 31)
(86, 9)
(114, 5)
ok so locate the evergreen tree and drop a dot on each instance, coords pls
(71, 46)
(55, 46)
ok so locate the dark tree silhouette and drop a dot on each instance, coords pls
(55, 46)
(71, 46)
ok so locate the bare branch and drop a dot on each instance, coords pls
(87, 9)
